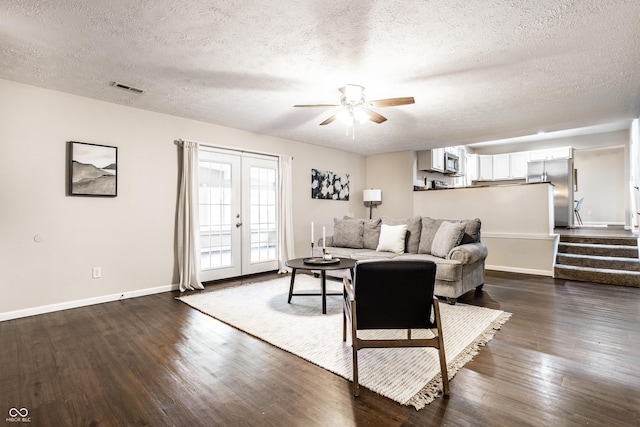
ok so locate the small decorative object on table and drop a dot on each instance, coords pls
(312, 238)
(320, 261)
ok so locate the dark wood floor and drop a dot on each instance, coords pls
(570, 355)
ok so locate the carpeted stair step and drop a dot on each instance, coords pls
(622, 251)
(600, 240)
(605, 262)
(596, 275)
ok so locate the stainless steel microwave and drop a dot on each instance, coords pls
(451, 163)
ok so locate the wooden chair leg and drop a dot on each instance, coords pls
(354, 349)
(441, 354)
(344, 324)
(356, 384)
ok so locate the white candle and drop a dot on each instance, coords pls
(311, 231)
(323, 239)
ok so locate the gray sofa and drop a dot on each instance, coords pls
(454, 245)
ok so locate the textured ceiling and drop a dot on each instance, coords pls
(479, 69)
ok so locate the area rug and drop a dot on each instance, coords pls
(410, 376)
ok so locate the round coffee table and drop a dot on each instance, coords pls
(299, 263)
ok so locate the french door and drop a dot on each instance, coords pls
(238, 198)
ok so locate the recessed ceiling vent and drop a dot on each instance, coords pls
(125, 87)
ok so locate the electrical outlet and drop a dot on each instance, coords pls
(97, 272)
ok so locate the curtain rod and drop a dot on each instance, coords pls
(222, 147)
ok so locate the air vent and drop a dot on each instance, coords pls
(125, 87)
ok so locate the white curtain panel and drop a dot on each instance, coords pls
(188, 220)
(285, 228)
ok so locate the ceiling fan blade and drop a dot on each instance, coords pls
(319, 105)
(329, 120)
(391, 102)
(374, 117)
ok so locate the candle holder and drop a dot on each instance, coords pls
(311, 249)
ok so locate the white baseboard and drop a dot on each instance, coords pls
(599, 224)
(84, 302)
(519, 270)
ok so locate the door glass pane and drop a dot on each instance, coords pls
(263, 223)
(215, 214)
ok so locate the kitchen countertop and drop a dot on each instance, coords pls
(501, 184)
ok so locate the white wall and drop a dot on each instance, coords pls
(602, 183)
(131, 236)
(633, 213)
(393, 174)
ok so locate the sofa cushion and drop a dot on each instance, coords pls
(348, 233)
(414, 227)
(392, 238)
(371, 234)
(448, 236)
(362, 256)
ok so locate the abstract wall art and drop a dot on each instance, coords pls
(329, 185)
(92, 170)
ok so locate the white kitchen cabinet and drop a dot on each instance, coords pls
(551, 153)
(560, 153)
(438, 159)
(501, 166)
(485, 167)
(471, 168)
(518, 165)
(431, 160)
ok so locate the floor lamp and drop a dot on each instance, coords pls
(374, 197)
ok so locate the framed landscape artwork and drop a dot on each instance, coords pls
(329, 185)
(93, 170)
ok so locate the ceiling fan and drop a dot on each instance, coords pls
(356, 108)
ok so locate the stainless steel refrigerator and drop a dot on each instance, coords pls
(560, 173)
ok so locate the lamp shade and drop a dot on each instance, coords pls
(372, 195)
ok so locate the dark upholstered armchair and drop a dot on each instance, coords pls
(393, 295)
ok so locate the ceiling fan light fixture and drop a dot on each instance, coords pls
(360, 115)
(345, 117)
(354, 108)
(349, 116)
(353, 94)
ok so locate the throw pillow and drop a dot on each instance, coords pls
(414, 227)
(448, 236)
(392, 238)
(371, 233)
(471, 231)
(347, 233)
(430, 227)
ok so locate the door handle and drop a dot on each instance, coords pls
(238, 224)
